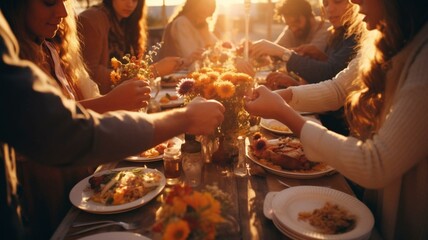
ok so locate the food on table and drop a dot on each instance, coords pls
(283, 153)
(330, 219)
(172, 80)
(168, 98)
(120, 187)
(158, 149)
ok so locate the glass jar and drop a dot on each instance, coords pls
(192, 160)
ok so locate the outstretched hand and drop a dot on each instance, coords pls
(204, 116)
(265, 103)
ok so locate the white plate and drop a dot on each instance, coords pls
(274, 126)
(173, 103)
(80, 194)
(115, 236)
(288, 203)
(177, 142)
(176, 79)
(285, 173)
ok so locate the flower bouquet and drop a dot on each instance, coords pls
(229, 88)
(222, 54)
(190, 214)
(133, 67)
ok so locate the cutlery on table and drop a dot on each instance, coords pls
(101, 224)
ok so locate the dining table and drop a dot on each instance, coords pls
(246, 192)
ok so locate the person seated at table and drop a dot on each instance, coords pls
(385, 97)
(41, 116)
(310, 63)
(113, 29)
(301, 25)
(315, 65)
(57, 51)
(188, 33)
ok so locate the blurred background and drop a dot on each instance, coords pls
(228, 22)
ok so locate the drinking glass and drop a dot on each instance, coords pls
(172, 165)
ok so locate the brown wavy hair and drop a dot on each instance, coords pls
(191, 6)
(363, 108)
(134, 26)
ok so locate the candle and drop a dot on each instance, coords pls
(247, 5)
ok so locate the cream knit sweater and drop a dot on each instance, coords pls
(395, 160)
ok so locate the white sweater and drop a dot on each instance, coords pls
(395, 160)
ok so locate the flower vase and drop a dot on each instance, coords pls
(226, 152)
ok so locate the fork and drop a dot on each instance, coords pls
(124, 225)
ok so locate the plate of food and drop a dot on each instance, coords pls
(155, 153)
(115, 236)
(274, 126)
(312, 212)
(169, 98)
(173, 79)
(117, 190)
(284, 157)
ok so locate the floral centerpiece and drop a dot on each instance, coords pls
(222, 54)
(133, 67)
(229, 88)
(190, 214)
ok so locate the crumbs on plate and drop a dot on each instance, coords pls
(330, 219)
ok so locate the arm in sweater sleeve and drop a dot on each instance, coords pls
(327, 95)
(399, 145)
(56, 131)
(314, 71)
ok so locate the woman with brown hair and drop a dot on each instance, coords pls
(385, 98)
(112, 29)
(187, 33)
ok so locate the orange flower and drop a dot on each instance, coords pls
(209, 91)
(179, 206)
(225, 89)
(177, 230)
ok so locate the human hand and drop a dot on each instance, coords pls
(265, 47)
(264, 103)
(204, 116)
(195, 55)
(311, 51)
(130, 95)
(168, 65)
(279, 80)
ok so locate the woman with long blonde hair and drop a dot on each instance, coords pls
(385, 95)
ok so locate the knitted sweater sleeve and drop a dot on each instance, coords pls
(399, 145)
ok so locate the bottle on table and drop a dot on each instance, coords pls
(192, 160)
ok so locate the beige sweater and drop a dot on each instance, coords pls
(395, 160)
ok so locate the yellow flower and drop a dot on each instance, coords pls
(225, 89)
(177, 230)
(243, 77)
(209, 91)
(115, 77)
(115, 63)
(179, 206)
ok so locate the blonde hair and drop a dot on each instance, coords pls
(69, 49)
